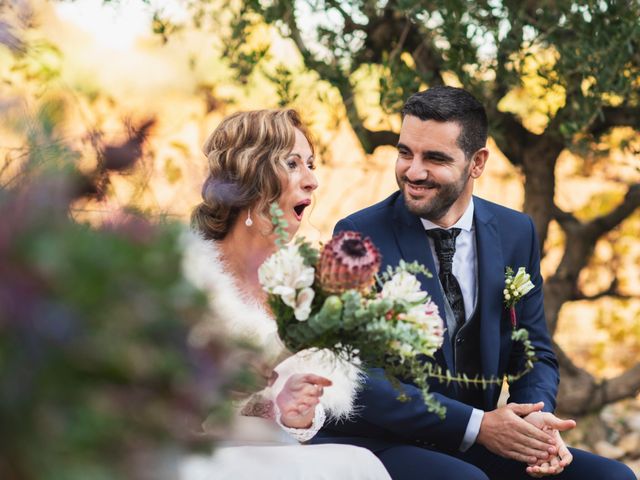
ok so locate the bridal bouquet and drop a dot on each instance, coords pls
(333, 298)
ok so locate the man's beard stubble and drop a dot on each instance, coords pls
(446, 195)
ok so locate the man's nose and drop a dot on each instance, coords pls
(417, 170)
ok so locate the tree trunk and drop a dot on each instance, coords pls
(538, 164)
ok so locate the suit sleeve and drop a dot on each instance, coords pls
(379, 406)
(411, 419)
(541, 384)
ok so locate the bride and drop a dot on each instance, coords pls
(256, 158)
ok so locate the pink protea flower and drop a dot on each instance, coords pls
(348, 261)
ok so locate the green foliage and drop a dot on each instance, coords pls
(96, 366)
(279, 224)
(485, 46)
(413, 268)
(283, 79)
(42, 64)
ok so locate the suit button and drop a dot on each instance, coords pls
(459, 340)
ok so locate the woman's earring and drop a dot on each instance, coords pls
(248, 222)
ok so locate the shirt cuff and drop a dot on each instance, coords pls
(304, 434)
(473, 428)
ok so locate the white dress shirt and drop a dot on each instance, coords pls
(465, 269)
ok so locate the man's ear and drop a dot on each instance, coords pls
(478, 162)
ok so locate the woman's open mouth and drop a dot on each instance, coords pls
(299, 208)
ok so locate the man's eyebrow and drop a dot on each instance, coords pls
(437, 155)
(402, 146)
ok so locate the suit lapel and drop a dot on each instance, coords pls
(491, 284)
(414, 246)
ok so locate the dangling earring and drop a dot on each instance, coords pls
(248, 222)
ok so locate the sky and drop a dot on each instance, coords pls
(117, 26)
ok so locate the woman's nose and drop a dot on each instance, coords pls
(309, 181)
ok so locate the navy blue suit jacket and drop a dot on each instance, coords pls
(504, 238)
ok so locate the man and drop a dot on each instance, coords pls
(467, 243)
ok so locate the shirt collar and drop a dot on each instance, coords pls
(464, 223)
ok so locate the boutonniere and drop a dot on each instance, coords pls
(515, 287)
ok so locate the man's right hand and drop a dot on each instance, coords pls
(504, 432)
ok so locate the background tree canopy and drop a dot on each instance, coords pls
(555, 76)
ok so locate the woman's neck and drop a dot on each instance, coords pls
(244, 250)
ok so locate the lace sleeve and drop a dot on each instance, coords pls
(303, 434)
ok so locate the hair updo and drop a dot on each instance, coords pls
(245, 155)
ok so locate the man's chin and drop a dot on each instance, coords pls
(424, 209)
(417, 207)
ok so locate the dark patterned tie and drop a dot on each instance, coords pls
(445, 243)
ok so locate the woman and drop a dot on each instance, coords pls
(256, 158)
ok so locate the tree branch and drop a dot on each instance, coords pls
(349, 25)
(400, 45)
(624, 385)
(379, 138)
(623, 116)
(567, 220)
(602, 224)
(605, 223)
(580, 392)
(369, 139)
(581, 239)
(329, 72)
(510, 136)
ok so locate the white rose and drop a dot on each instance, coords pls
(427, 315)
(403, 286)
(285, 268)
(285, 274)
(302, 308)
(522, 282)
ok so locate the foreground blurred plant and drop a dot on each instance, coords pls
(98, 377)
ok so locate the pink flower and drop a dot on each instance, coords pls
(348, 261)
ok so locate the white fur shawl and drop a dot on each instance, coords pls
(240, 316)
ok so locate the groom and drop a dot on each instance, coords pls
(467, 243)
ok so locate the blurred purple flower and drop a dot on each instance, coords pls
(9, 39)
(124, 156)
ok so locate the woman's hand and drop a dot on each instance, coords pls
(298, 399)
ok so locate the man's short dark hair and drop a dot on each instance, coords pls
(449, 104)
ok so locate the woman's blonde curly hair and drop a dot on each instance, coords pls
(246, 154)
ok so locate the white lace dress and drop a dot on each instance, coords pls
(257, 448)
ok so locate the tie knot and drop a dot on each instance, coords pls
(442, 235)
(445, 243)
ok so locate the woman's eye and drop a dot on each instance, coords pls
(292, 164)
(311, 166)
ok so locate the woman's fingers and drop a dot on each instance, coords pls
(301, 381)
(316, 380)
